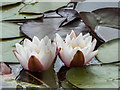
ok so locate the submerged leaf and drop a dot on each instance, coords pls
(94, 76)
(109, 52)
(46, 78)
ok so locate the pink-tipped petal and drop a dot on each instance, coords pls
(22, 60)
(4, 69)
(34, 64)
(73, 34)
(78, 59)
(66, 55)
(90, 56)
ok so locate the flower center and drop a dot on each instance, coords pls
(38, 52)
(77, 46)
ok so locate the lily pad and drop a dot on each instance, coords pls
(12, 13)
(50, 26)
(94, 76)
(66, 84)
(109, 52)
(69, 14)
(107, 33)
(2, 4)
(102, 17)
(41, 7)
(89, 6)
(6, 50)
(40, 29)
(10, 30)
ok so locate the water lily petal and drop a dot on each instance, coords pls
(46, 59)
(22, 60)
(86, 35)
(46, 39)
(66, 55)
(59, 40)
(35, 40)
(73, 34)
(80, 40)
(88, 40)
(93, 44)
(21, 50)
(90, 56)
(67, 39)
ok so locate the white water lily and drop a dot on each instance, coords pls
(37, 55)
(76, 50)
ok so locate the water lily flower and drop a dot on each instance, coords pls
(37, 55)
(76, 50)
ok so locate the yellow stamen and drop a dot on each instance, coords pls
(38, 52)
(77, 46)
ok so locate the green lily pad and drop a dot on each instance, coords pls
(6, 48)
(10, 30)
(94, 76)
(41, 7)
(12, 12)
(2, 4)
(66, 84)
(109, 52)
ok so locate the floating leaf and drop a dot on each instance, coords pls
(12, 13)
(66, 84)
(107, 33)
(42, 7)
(102, 17)
(69, 14)
(88, 6)
(10, 30)
(109, 52)
(40, 29)
(3, 4)
(94, 76)
(6, 49)
(50, 26)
